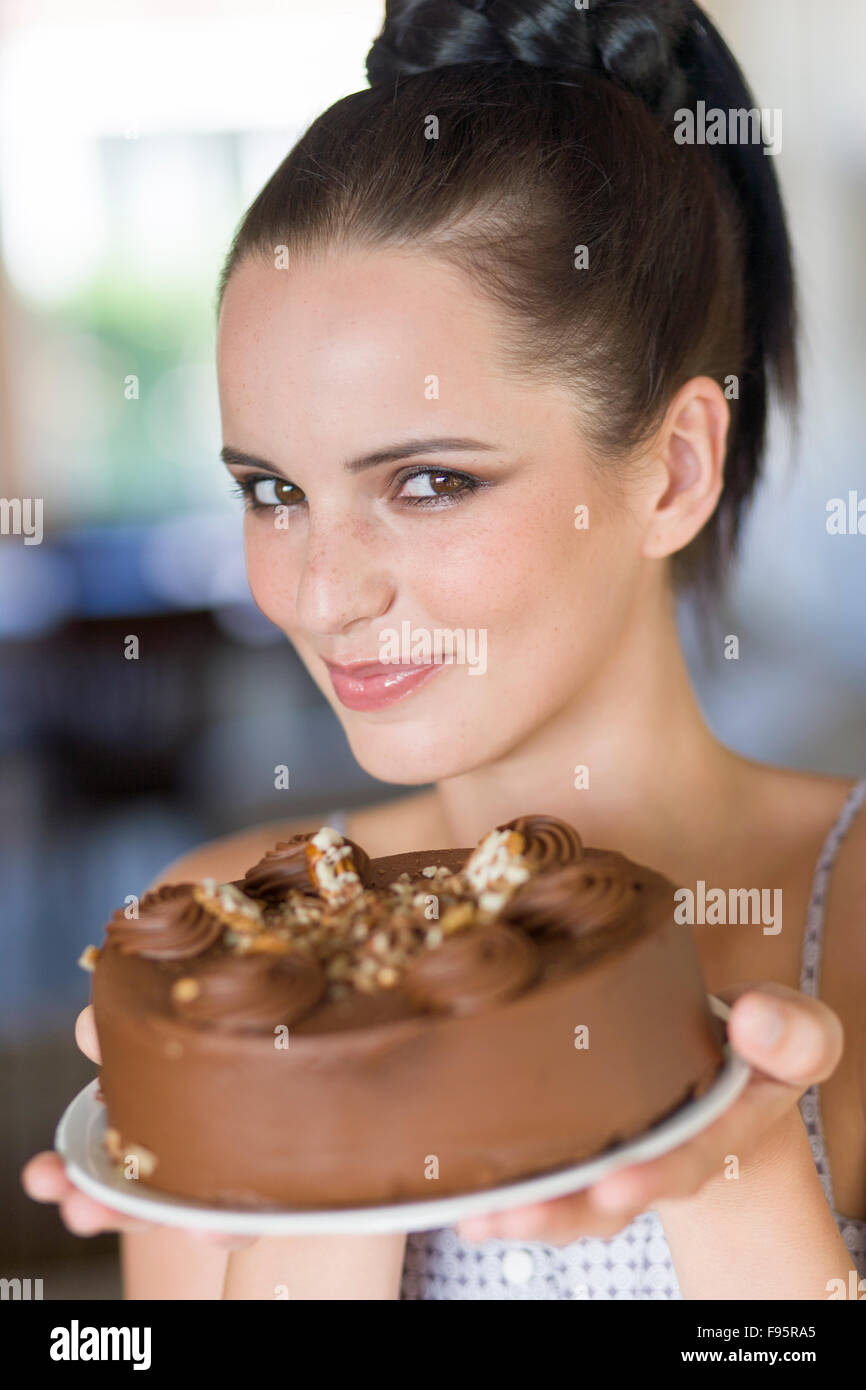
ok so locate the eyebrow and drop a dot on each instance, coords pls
(409, 448)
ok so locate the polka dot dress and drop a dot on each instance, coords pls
(636, 1264)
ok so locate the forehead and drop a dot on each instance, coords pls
(341, 315)
(360, 341)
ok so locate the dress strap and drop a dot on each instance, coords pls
(810, 973)
(810, 967)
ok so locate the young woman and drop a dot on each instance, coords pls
(496, 347)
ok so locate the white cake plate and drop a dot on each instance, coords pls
(79, 1135)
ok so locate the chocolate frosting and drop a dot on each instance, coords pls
(171, 925)
(286, 867)
(372, 1083)
(550, 843)
(472, 970)
(249, 993)
(580, 898)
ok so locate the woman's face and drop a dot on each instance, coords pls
(328, 362)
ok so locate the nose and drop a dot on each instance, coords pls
(345, 576)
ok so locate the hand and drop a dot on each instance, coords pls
(44, 1178)
(804, 1049)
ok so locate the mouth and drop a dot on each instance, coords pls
(367, 685)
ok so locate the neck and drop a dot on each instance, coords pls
(658, 780)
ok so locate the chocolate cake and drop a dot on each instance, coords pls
(333, 1030)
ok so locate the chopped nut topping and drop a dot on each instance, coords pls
(113, 1145)
(496, 860)
(491, 902)
(146, 1160)
(456, 918)
(265, 942)
(364, 938)
(88, 958)
(185, 989)
(331, 866)
(119, 1152)
(230, 905)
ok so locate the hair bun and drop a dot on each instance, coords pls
(635, 42)
(421, 35)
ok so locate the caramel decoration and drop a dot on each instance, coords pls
(286, 867)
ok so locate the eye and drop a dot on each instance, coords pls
(424, 487)
(261, 492)
(436, 487)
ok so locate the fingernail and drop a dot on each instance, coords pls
(763, 1023)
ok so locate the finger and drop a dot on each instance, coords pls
(686, 1169)
(805, 1048)
(558, 1222)
(787, 1035)
(808, 1046)
(44, 1177)
(85, 1035)
(85, 1217)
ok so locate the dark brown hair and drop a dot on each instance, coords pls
(556, 130)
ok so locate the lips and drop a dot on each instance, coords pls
(368, 685)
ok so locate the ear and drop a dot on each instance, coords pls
(690, 456)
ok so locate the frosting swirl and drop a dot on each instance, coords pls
(472, 970)
(548, 843)
(287, 867)
(578, 898)
(249, 993)
(171, 925)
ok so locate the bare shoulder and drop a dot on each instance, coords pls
(809, 806)
(784, 817)
(800, 801)
(384, 828)
(814, 805)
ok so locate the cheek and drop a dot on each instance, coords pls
(522, 571)
(526, 574)
(270, 570)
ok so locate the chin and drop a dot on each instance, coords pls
(410, 755)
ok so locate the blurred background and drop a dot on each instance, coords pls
(132, 138)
